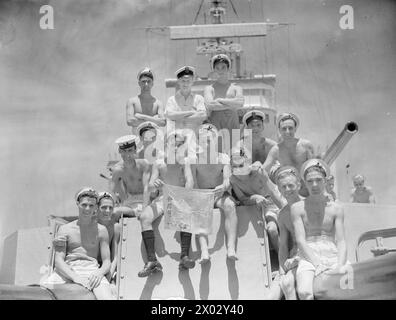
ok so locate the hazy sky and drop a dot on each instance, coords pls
(63, 91)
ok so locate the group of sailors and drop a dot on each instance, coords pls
(182, 144)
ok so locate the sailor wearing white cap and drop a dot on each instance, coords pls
(144, 107)
(319, 229)
(290, 151)
(261, 145)
(78, 245)
(148, 133)
(130, 178)
(223, 98)
(185, 110)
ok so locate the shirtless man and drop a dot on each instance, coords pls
(149, 146)
(214, 173)
(261, 145)
(252, 186)
(144, 107)
(361, 193)
(110, 220)
(319, 230)
(177, 173)
(330, 188)
(291, 151)
(130, 178)
(223, 98)
(288, 184)
(78, 245)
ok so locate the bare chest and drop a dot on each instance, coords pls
(292, 155)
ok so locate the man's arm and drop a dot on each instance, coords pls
(145, 181)
(210, 102)
(116, 185)
(225, 186)
(283, 253)
(310, 149)
(234, 103)
(271, 158)
(273, 191)
(299, 232)
(172, 112)
(352, 196)
(188, 175)
(114, 249)
(340, 236)
(96, 277)
(371, 195)
(132, 121)
(60, 245)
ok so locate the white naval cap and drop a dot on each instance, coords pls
(185, 71)
(87, 192)
(105, 195)
(288, 116)
(250, 115)
(145, 72)
(126, 142)
(282, 170)
(312, 163)
(147, 125)
(220, 58)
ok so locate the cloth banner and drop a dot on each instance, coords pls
(189, 210)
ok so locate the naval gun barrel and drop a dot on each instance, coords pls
(340, 142)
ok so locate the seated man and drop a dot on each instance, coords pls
(319, 229)
(149, 147)
(107, 218)
(77, 246)
(213, 172)
(251, 185)
(261, 145)
(288, 184)
(361, 193)
(177, 173)
(290, 151)
(130, 178)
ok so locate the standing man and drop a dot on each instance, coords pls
(223, 98)
(361, 193)
(79, 243)
(144, 107)
(130, 178)
(177, 173)
(330, 188)
(261, 145)
(291, 151)
(319, 229)
(185, 110)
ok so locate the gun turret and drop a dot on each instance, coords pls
(340, 142)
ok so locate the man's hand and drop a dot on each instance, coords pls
(291, 263)
(158, 183)
(320, 269)
(82, 281)
(260, 200)
(219, 190)
(94, 279)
